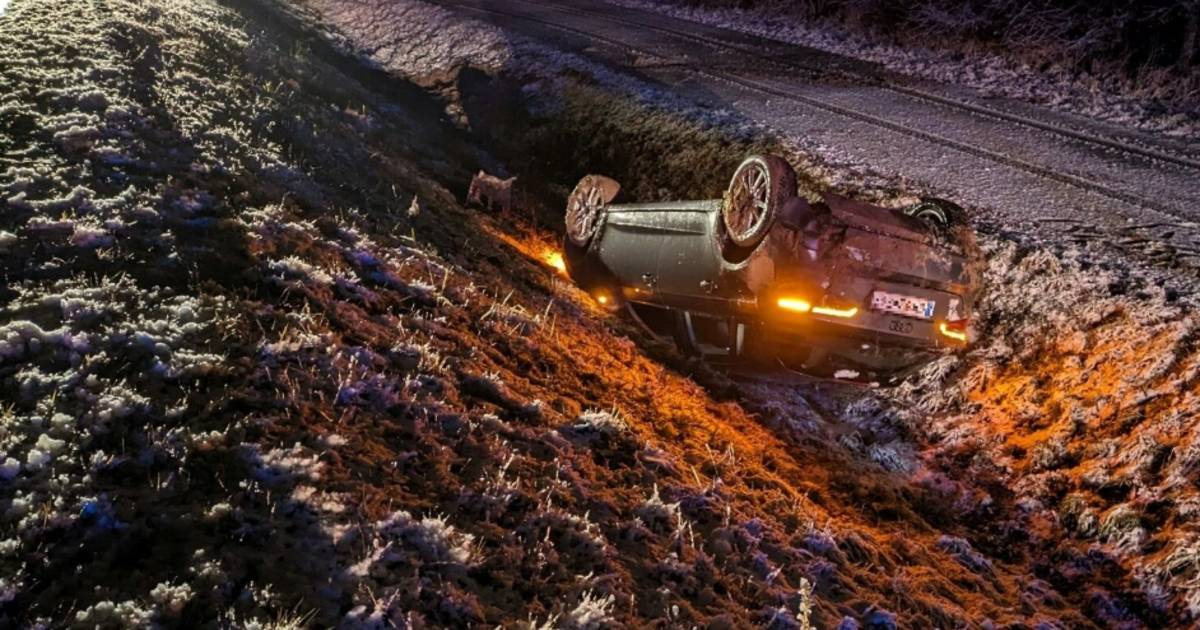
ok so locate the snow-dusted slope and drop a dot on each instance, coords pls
(258, 366)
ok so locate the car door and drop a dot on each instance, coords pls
(631, 242)
(688, 260)
(664, 249)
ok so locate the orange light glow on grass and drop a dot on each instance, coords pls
(534, 246)
(554, 259)
(794, 304)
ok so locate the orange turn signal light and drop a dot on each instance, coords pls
(800, 305)
(957, 333)
(836, 312)
(794, 304)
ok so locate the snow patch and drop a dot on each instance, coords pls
(90, 236)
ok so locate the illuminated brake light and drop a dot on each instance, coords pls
(953, 333)
(836, 312)
(794, 304)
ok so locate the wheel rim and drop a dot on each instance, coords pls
(930, 213)
(748, 202)
(583, 214)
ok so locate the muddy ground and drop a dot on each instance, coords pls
(259, 365)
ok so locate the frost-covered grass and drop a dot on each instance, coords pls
(414, 39)
(121, 322)
(1080, 407)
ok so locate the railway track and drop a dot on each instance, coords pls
(1179, 221)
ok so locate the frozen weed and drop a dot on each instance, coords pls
(607, 422)
(890, 458)
(431, 360)
(295, 269)
(659, 515)
(1182, 568)
(591, 612)
(966, 555)
(278, 465)
(90, 236)
(804, 606)
(127, 614)
(1122, 526)
(170, 599)
(402, 541)
(1050, 454)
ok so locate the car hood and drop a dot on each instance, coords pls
(870, 218)
(862, 240)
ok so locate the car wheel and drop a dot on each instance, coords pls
(760, 185)
(937, 212)
(584, 206)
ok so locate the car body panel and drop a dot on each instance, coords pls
(689, 263)
(866, 217)
(637, 241)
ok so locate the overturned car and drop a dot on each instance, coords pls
(765, 273)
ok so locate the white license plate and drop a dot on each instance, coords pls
(902, 304)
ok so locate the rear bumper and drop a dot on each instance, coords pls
(865, 323)
(868, 338)
(865, 326)
(862, 346)
(869, 327)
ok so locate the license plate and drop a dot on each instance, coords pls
(902, 304)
